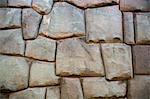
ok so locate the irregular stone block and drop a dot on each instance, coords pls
(71, 89)
(13, 73)
(64, 21)
(134, 5)
(104, 24)
(3, 3)
(117, 61)
(30, 21)
(99, 87)
(141, 57)
(41, 48)
(10, 17)
(75, 57)
(53, 93)
(19, 3)
(30, 93)
(11, 42)
(139, 87)
(128, 27)
(43, 7)
(143, 28)
(43, 74)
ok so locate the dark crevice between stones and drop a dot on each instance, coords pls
(45, 95)
(29, 74)
(55, 57)
(134, 26)
(38, 28)
(133, 60)
(44, 86)
(10, 27)
(81, 83)
(123, 33)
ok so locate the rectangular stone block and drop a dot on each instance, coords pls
(53, 92)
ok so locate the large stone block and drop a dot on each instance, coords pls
(71, 88)
(11, 42)
(95, 87)
(104, 24)
(43, 74)
(19, 3)
(41, 48)
(117, 61)
(13, 73)
(64, 21)
(53, 93)
(30, 21)
(10, 17)
(75, 57)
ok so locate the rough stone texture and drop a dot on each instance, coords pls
(30, 21)
(11, 42)
(53, 93)
(41, 48)
(13, 73)
(128, 27)
(143, 28)
(43, 74)
(71, 89)
(99, 87)
(3, 3)
(134, 5)
(104, 24)
(4, 96)
(10, 17)
(75, 57)
(118, 61)
(141, 54)
(64, 21)
(19, 3)
(31, 93)
(139, 88)
(43, 7)
(91, 3)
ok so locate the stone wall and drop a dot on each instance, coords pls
(74, 49)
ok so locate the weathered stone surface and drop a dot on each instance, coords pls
(41, 48)
(71, 89)
(4, 96)
(99, 87)
(143, 28)
(43, 74)
(75, 57)
(43, 7)
(10, 17)
(30, 21)
(3, 3)
(91, 3)
(104, 24)
(13, 73)
(141, 54)
(20, 3)
(30, 93)
(118, 61)
(128, 27)
(64, 20)
(139, 88)
(135, 5)
(109, 98)
(53, 93)
(11, 42)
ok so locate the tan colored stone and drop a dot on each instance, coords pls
(19, 3)
(71, 88)
(104, 24)
(99, 87)
(53, 93)
(118, 61)
(75, 57)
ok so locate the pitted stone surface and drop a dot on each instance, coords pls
(117, 60)
(13, 73)
(19, 3)
(64, 21)
(53, 93)
(43, 74)
(10, 17)
(75, 57)
(30, 93)
(104, 24)
(41, 48)
(3, 3)
(99, 87)
(30, 21)
(11, 42)
(42, 6)
(143, 28)
(71, 88)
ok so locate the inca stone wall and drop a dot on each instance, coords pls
(75, 49)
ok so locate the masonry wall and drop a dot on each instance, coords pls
(75, 49)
